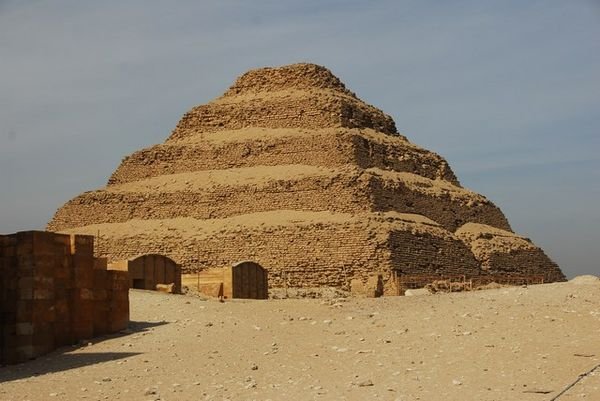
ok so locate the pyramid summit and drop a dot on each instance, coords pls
(296, 96)
(292, 170)
(301, 76)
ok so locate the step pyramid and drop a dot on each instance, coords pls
(292, 170)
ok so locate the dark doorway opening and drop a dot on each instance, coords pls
(139, 283)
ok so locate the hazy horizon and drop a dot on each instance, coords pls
(507, 92)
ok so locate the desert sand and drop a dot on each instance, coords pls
(512, 343)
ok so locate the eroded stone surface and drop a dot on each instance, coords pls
(503, 252)
(292, 170)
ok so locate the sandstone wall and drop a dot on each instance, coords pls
(422, 253)
(53, 292)
(306, 256)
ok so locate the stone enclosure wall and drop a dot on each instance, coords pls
(53, 292)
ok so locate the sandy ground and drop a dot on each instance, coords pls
(504, 344)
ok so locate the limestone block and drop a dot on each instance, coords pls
(357, 287)
(214, 290)
(374, 286)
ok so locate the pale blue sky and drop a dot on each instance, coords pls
(507, 91)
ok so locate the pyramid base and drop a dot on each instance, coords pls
(299, 249)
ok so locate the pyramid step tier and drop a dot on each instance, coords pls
(271, 147)
(300, 76)
(313, 109)
(226, 193)
(505, 253)
(300, 248)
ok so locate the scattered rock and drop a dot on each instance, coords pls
(417, 291)
(150, 391)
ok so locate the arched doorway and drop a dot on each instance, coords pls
(146, 271)
(249, 280)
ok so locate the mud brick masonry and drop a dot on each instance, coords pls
(54, 292)
(290, 169)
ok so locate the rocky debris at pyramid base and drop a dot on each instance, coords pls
(291, 170)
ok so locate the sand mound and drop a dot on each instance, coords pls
(585, 279)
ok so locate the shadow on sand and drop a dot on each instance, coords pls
(72, 357)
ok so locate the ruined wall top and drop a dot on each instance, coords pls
(301, 76)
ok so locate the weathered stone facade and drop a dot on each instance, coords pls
(250, 147)
(503, 252)
(290, 169)
(54, 292)
(220, 194)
